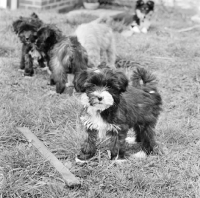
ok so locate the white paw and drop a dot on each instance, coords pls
(44, 68)
(69, 85)
(51, 93)
(28, 77)
(21, 70)
(135, 29)
(78, 161)
(120, 161)
(130, 140)
(140, 155)
(144, 30)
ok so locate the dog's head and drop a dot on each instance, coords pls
(101, 88)
(47, 36)
(26, 28)
(143, 8)
(27, 33)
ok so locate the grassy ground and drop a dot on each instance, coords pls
(175, 59)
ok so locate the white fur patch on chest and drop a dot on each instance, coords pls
(92, 120)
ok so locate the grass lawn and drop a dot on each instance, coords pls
(174, 57)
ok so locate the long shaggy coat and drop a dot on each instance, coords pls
(98, 39)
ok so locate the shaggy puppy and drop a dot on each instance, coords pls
(144, 11)
(111, 109)
(98, 39)
(68, 59)
(26, 29)
(47, 37)
(140, 21)
(64, 54)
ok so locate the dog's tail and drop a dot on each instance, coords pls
(142, 78)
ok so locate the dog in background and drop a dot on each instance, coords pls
(47, 37)
(140, 21)
(64, 54)
(144, 11)
(26, 29)
(69, 58)
(111, 108)
(98, 39)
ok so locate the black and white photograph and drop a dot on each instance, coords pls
(99, 98)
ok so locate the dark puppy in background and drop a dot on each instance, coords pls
(47, 37)
(144, 11)
(26, 29)
(65, 56)
(139, 21)
(111, 108)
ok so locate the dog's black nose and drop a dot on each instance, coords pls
(100, 98)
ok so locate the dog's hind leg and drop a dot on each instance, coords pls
(145, 134)
(22, 61)
(28, 66)
(94, 56)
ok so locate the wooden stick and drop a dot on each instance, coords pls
(69, 178)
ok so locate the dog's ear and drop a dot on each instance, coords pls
(16, 24)
(34, 15)
(150, 4)
(139, 3)
(80, 81)
(122, 81)
(50, 35)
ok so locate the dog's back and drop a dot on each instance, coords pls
(97, 38)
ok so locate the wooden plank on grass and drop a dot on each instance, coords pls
(70, 179)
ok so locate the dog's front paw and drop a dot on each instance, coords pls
(79, 161)
(144, 30)
(21, 70)
(83, 157)
(140, 155)
(28, 73)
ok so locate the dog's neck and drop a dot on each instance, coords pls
(93, 120)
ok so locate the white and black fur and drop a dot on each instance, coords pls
(144, 12)
(111, 108)
(139, 21)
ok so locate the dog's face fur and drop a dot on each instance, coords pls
(47, 36)
(26, 28)
(143, 8)
(102, 88)
(27, 33)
